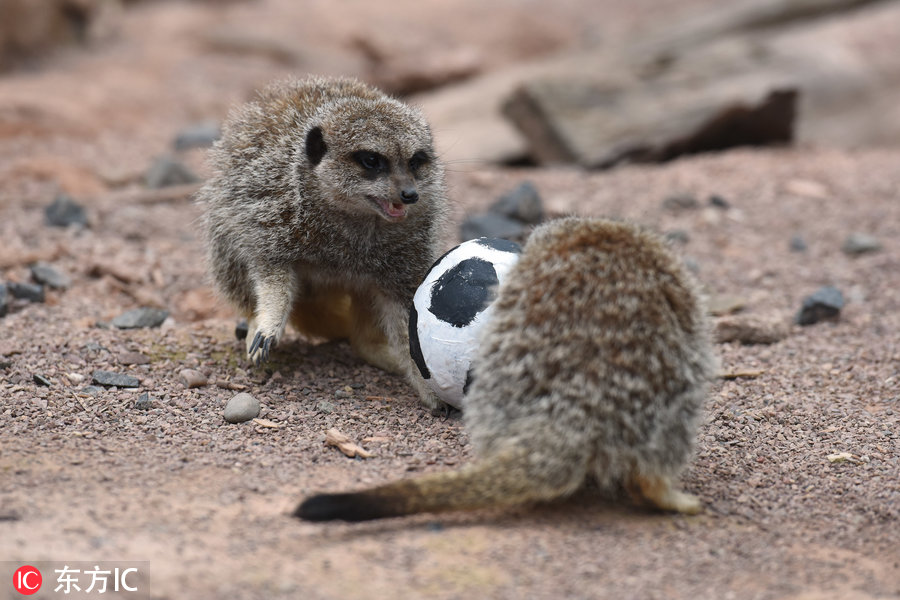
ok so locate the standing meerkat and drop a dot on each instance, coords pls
(325, 210)
(594, 365)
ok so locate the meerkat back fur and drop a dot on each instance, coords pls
(324, 211)
(594, 366)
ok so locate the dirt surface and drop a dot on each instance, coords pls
(797, 462)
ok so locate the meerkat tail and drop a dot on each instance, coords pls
(501, 479)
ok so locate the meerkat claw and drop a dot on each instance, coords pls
(255, 344)
(260, 348)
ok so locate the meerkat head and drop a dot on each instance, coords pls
(373, 156)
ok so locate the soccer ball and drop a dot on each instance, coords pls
(451, 307)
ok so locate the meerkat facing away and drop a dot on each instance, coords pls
(325, 210)
(594, 365)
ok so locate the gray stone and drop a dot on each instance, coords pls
(677, 236)
(41, 380)
(47, 275)
(166, 171)
(797, 244)
(491, 225)
(64, 212)
(678, 202)
(719, 202)
(111, 379)
(860, 243)
(198, 135)
(140, 318)
(143, 402)
(325, 406)
(32, 292)
(92, 390)
(4, 300)
(523, 204)
(824, 303)
(241, 408)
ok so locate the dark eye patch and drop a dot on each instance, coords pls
(418, 159)
(373, 163)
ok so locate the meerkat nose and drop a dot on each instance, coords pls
(409, 196)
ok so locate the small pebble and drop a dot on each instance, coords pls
(860, 243)
(64, 212)
(92, 390)
(719, 202)
(166, 171)
(4, 300)
(41, 380)
(491, 225)
(677, 236)
(342, 394)
(241, 408)
(241, 329)
(325, 406)
(797, 244)
(140, 318)
(47, 275)
(32, 292)
(824, 303)
(523, 204)
(111, 379)
(677, 202)
(198, 135)
(143, 402)
(192, 378)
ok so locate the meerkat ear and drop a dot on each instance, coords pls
(315, 145)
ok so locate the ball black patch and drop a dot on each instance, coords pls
(415, 348)
(500, 244)
(470, 377)
(463, 291)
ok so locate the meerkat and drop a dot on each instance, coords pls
(594, 366)
(325, 211)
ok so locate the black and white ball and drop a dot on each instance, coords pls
(451, 307)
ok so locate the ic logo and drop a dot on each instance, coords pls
(27, 580)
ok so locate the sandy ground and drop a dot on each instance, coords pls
(201, 507)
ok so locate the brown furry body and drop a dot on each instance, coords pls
(594, 365)
(325, 211)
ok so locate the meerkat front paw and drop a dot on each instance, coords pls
(258, 351)
(260, 341)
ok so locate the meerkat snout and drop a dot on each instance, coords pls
(409, 195)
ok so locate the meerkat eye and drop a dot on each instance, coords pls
(371, 161)
(418, 159)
